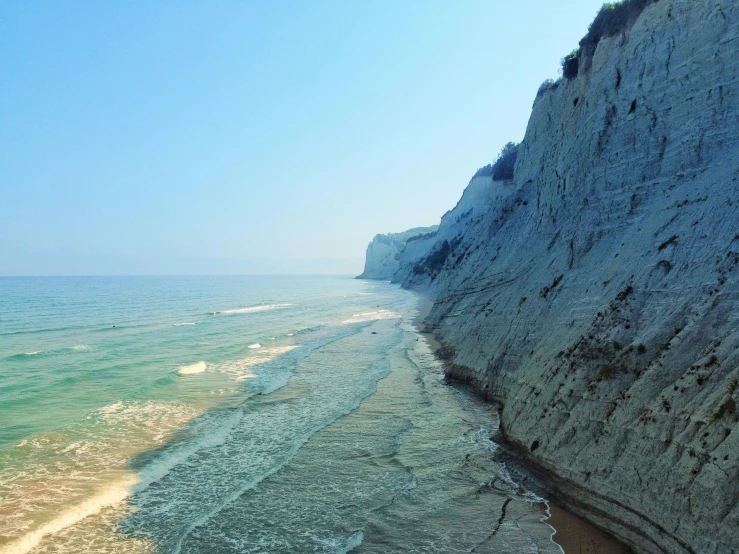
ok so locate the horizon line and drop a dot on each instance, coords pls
(182, 275)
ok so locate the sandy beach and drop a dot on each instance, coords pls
(577, 536)
(424, 307)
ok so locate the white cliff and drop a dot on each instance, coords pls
(383, 253)
(597, 295)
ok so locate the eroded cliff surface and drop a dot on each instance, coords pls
(385, 250)
(597, 296)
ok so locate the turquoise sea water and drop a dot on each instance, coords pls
(240, 414)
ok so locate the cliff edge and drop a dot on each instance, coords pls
(384, 252)
(596, 295)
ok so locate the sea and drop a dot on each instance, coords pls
(239, 414)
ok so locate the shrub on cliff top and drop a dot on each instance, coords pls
(612, 19)
(484, 171)
(571, 64)
(546, 86)
(421, 236)
(503, 167)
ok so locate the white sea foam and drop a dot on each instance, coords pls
(133, 415)
(192, 369)
(277, 421)
(353, 542)
(240, 369)
(33, 353)
(289, 334)
(144, 421)
(65, 490)
(255, 345)
(111, 408)
(70, 447)
(372, 316)
(185, 323)
(79, 347)
(252, 309)
(112, 494)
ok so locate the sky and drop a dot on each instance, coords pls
(254, 137)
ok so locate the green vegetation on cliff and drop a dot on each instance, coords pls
(502, 168)
(612, 19)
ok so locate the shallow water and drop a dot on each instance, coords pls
(241, 414)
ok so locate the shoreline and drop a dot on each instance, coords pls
(572, 533)
(424, 307)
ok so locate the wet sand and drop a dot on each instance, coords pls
(572, 533)
(577, 536)
(424, 307)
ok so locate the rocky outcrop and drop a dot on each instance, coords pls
(597, 295)
(384, 252)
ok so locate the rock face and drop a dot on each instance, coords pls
(384, 252)
(597, 295)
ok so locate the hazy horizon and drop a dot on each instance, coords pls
(183, 275)
(241, 138)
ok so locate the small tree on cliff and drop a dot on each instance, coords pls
(506, 162)
(502, 168)
(612, 19)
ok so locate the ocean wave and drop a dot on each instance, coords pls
(44, 353)
(248, 456)
(355, 540)
(240, 369)
(372, 316)
(25, 355)
(112, 494)
(192, 369)
(38, 331)
(252, 309)
(149, 420)
(338, 545)
(134, 426)
(140, 427)
(186, 323)
(255, 345)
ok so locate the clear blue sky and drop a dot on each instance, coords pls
(253, 137)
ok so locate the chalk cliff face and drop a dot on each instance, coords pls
(384, 252)
(597, 295)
